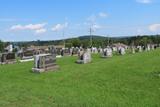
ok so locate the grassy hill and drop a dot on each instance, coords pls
(121, 81)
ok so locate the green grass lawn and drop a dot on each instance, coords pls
(122, 81)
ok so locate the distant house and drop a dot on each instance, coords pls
(117, 45)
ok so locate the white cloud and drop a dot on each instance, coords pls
(144, 1)
(28, 27)
(103, 15)
(60, 27)
(154, 27)
(39, 31)
(37, 28)
(17, 27)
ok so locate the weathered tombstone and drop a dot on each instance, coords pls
(133, 49)
(153, 47)
(114, 49)
(94, 50)
(75, 51)
(122, 51)
(66, 52)
(100, 50)
(84, 57)
(139, 48)
(27, 55)
(8, 58)
(9, 48)
(44, 63)
(148, 48)
(107, 52)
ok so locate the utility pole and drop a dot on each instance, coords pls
(91, 36)
(108, 40)
(64, 40)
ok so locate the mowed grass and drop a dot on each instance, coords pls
(132, 80)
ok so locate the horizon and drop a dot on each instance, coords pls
(59, 19)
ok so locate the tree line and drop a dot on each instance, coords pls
(85, 41)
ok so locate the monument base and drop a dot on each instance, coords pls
(8, 62)
(52, 68)
(26, 60)
(82, 62)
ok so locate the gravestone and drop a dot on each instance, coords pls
(28, 54)
(153, 47)
(100, 50)
(115, 49)
(84, 57)
(94, 50)
(133, 50)
(107, 52)
(122, 51)
(139, 48)
(44, 63)
(66, 51)
(8, 58)
(148, 48)
(74, 51)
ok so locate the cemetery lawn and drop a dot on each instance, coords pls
(132, 80)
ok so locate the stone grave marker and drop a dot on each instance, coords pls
(122, 51)
(44, 63)
(8, 58)
(28, 54)
(84, 57)
(133, 49)
(107, 52)
(139, 48)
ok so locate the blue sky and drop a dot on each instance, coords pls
(25, 20)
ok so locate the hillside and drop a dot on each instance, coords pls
(121, 81)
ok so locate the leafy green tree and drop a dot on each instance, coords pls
(1, 46)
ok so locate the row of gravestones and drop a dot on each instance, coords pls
(47, 62)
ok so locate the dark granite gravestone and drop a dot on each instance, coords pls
(66, 52)
(28, 54)
(8, 58)
(84, 57)
(74, 51)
